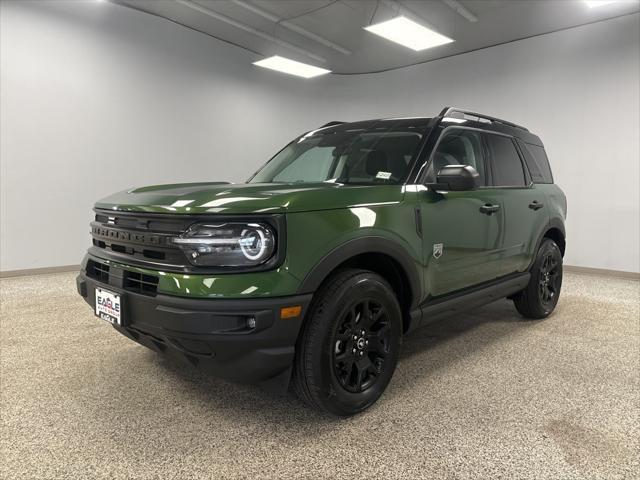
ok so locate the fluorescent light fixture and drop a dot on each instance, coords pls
(599, 3)
(408, 33)
(291, 67)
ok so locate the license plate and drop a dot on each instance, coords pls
(108, 306)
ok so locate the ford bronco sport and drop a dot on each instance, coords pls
(354, 234)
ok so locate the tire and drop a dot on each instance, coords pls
(540, 297)
(339, 369)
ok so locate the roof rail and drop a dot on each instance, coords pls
(451, 111)
(331, 124)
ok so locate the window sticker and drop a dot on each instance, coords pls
(384, 175)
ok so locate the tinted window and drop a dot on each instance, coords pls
(507, 167)
(379, 155)
(537, 162)
(458, 147)
(312, 166)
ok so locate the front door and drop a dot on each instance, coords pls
(463, 232)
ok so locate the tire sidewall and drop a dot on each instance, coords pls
(547, 247)
(335, 398)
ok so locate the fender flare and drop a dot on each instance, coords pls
(358, 246)
(557, 223)
(553, 223)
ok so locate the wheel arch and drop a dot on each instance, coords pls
(377, 254)
(556, 232)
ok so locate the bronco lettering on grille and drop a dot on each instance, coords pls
(113, 234)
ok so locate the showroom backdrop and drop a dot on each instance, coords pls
(96, 97)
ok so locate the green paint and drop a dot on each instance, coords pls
(458, 246)
(476, 247)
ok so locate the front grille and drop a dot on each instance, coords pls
(98, 271)
(140, 283)
(144, 222)
(145, 240)
(139, 238)
(115, 247)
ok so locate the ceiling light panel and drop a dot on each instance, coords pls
(408, 33)
(291, 67)
(599, 3)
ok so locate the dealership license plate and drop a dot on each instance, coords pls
(108, 306)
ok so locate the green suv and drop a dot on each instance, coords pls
(309, 275)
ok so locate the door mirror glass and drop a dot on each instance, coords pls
(456, 178)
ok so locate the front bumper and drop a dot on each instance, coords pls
(212, 334)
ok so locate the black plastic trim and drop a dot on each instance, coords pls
(358, 246)
(553, 223)
(211, 333)
(472, 297)
(559, 224)
(418, 218)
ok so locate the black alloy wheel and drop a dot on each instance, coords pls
(349, 345)
(549, 280)
(539, 298)
(361, 345)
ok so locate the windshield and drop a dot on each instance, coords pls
(360, 156)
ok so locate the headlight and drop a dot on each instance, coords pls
(232, 244)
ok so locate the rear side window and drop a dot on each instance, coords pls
(507, 167)
(537, 161)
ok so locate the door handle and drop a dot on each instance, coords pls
(535, 205)
(489, 209)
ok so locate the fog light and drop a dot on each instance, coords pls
(251, 322)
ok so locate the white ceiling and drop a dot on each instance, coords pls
(341, 22)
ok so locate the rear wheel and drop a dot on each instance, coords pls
(349, 347)
(540, 297)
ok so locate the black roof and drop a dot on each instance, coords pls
(471, 119)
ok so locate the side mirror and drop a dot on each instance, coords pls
(456, 178)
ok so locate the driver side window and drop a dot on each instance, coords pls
(458, 147)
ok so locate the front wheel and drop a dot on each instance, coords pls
(540, 297)
(349, 347)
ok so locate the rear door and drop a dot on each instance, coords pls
(523, 203)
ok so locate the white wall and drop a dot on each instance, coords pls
(578, 89)
(98, 98)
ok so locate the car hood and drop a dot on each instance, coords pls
(249, 198)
